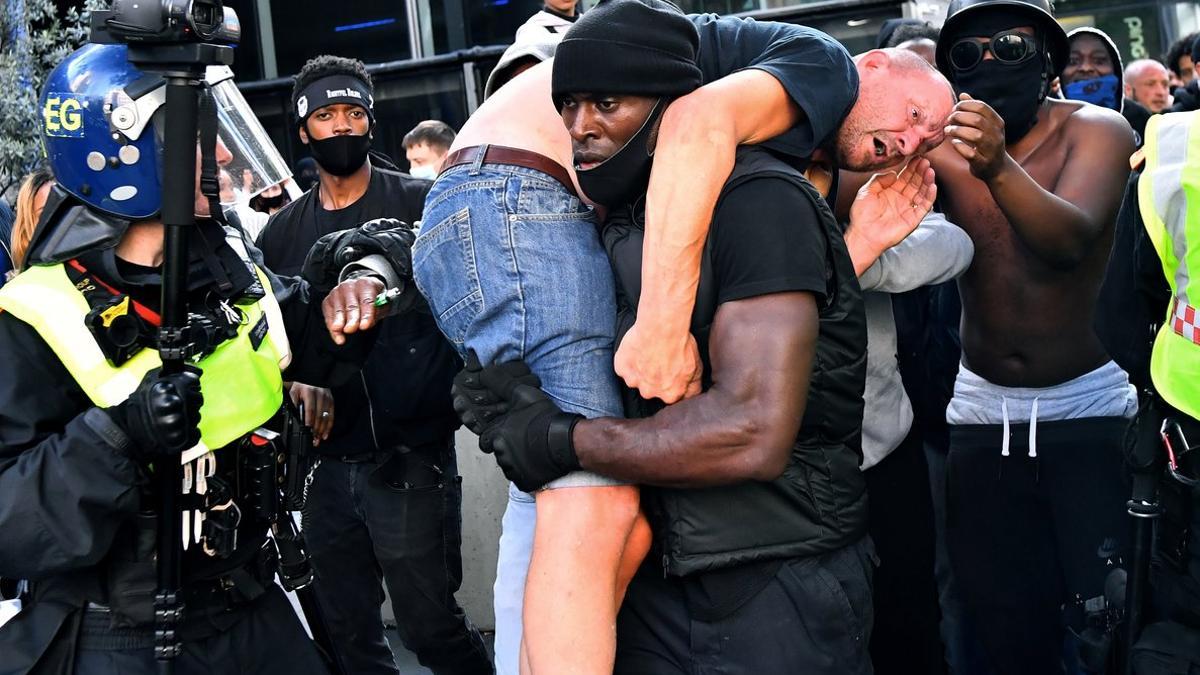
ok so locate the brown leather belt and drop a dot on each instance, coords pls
(499, 154)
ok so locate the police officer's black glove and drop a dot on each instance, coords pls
(162, 415)
(529, 434)
(386, 237)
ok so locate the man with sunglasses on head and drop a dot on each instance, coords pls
(1036, 484)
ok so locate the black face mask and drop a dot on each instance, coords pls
(265, 203)
(1013, 91)
(619, 179)
(341, 155)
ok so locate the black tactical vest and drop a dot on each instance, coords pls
(819, 503)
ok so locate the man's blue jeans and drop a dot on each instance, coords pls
(511, 263)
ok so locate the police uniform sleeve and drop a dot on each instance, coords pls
(815, 70)
(66, 485)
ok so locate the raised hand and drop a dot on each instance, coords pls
(976, 132)
(889, 207)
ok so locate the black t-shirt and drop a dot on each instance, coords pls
(403, 394)
(767, 238)
(287, 237)
(815, 70)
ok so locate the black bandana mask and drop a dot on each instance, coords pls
(619, 179)
(341, 155)
(1013, 91)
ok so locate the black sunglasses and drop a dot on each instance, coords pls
(1008, 46)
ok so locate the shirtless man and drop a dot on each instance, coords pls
(511, 263)
(1036, 484)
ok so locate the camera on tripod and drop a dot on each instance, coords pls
(169, 22)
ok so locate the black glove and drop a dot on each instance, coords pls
(387, 237)
(475, 404)
(162, 415)
(529, 434)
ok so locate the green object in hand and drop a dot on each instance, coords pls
(387, 296)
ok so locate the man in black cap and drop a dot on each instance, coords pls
(758, 506)
(1036, 505)
(385, 503)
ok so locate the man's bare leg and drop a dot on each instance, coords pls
(587, 544)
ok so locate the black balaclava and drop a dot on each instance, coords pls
(628, 47)
(1013, 91)
(339, 155)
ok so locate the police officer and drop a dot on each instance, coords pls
(86, 414)
(1148, 291)
(386, 503)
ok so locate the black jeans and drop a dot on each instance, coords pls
(906, 638)
(1024, 533)
(395, 520)
(812, 617)
(268, 640)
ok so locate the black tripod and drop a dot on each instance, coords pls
(1143, 506)
(183, 66)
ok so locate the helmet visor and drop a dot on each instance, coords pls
(255, 164)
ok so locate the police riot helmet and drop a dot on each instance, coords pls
(102, 129)
(1039, 13)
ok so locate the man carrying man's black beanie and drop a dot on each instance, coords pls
(637, 47)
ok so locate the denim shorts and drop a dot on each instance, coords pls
(512, 266)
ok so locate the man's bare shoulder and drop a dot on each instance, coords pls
(1091, 123)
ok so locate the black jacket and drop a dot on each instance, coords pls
(402, 395)
(69, 497)
(1134, 296)
(819, 503)
(1187, 98)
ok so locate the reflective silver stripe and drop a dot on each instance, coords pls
(1169, 201)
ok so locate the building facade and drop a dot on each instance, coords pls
(430, 58)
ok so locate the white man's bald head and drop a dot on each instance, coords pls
(1143, 66)
(901, 110)
(1146, 82)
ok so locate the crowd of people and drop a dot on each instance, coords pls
(886, 375)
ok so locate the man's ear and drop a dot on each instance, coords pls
(1128, 90)
(876, 59)
(303, 134)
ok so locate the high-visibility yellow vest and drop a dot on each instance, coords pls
(241, 379)
(1169, 199)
